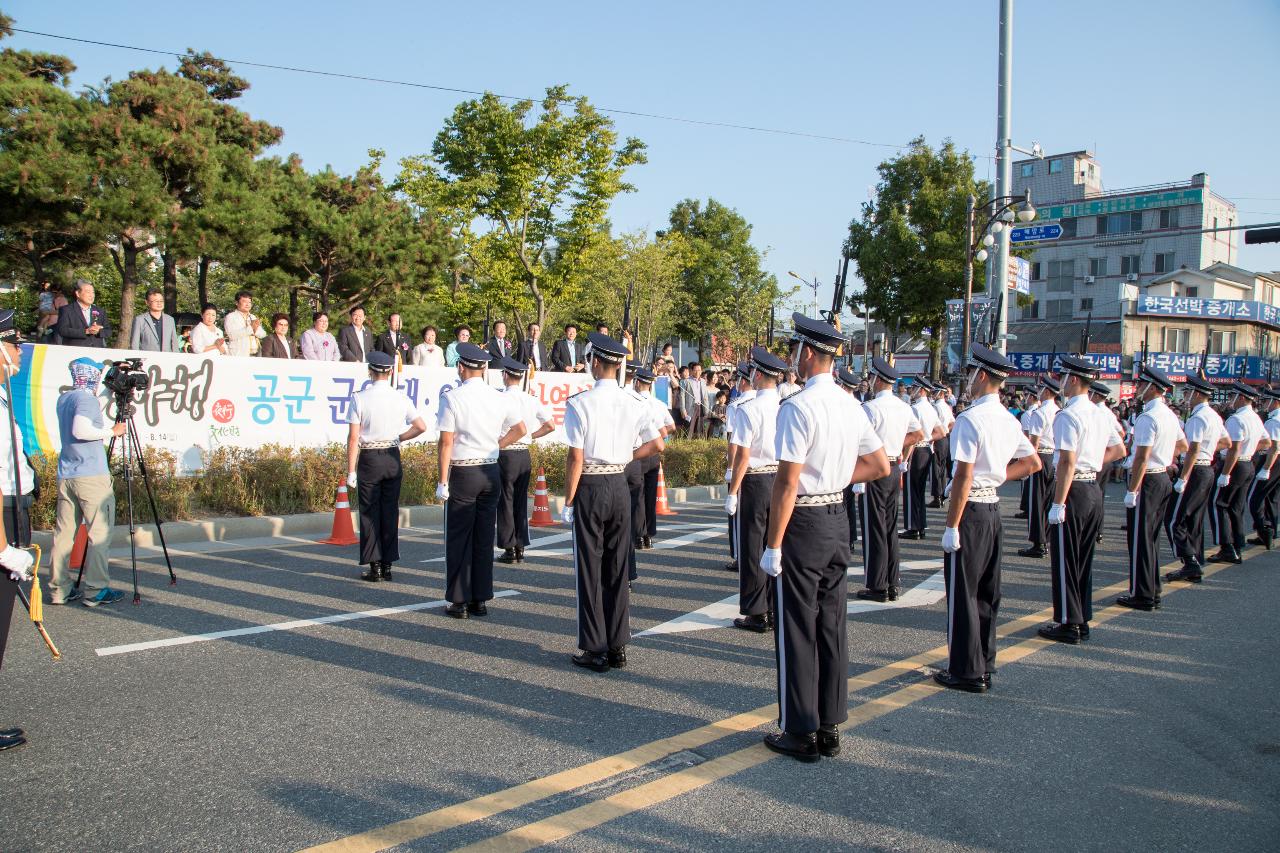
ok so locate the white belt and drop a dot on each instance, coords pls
(983, 495)
(379, 445)
(516, 447)
(1048, 452)
(1160, 469)
(921, 444)
(893, 459)
(602, 469)
(763, 469)
(820, 500)
(468, 463)
(1085, 475)
(1205, 462)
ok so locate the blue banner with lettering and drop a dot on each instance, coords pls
(1210, 309)
(1217, 368)
(1032, 363)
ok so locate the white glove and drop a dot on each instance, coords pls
(859, 488)
(1224, 480)
(566, 514)
(728, 475)
(946, 493)
(904, 466)
(17, 562)
(1057, 513)
(731, 504)
(1130, 500)
(1179, 486)
(951, 540)
(1264, 474)
(351, 479)
(442, 492)
(771, 562)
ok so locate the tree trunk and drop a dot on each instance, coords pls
(169, 265)
(128, 289)
(202, 281)
(293, 309)
(539, 301)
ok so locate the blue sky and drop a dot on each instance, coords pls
(1159, 90)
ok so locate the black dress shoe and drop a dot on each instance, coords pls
(986, 679)
(11, 742)
(757, 623)
(1255, 540)
(508, 556)
(1226, 556)
(936, 503)
(893, 593)
(1036, 551)
(14, 732)
(1019, 514)
(618, 658)
(589, 660)
(457, 611)
(800, 747)
(731, 566)
(477, 608)
(828, 741)
(373, 574)
(955, 682)
(637, 543)
(872, 595)
(385, 570)
(519, 555)
(1084, 631)
(648, 543)
(1069, 634)
(910, 534)
(1135, 603)
(1186, 573)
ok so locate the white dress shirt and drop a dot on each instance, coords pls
(382, 412)
(1204, 426)
(892, 419)
(731, 411)
(825, 430)
(1272, 426)
(1158, 428)
(1040, 423)
(240, 334)
(661, 413)
(1245, 426)
(428, 355)
(1085, 429)
(757, 427)
(987, 435)
(607, 424)
(478, 415)
(533, 412)
(1027, 415)
(26, 475)
(927, 415)
(203, 336)
(946, 416)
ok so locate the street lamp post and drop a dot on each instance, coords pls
(1010, 207)
(807, 283)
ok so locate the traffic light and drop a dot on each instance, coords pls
(1262, 235)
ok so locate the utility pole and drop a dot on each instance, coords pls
(1004, 167)
(968, 282)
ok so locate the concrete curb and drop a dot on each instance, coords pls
(318, 524)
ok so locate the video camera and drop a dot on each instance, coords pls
(125, 377)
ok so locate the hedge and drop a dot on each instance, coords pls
(278, 480)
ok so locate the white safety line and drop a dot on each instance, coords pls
(537, 548)
(186, 639)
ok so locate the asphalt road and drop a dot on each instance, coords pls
(407, 730)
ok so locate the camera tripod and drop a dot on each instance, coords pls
(132, 453)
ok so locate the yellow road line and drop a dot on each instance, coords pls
(519, 796)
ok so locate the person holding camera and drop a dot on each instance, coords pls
(84, 489)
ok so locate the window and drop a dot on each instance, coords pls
(1086, 304)
(1097, 267)
(1055, 166)
(1062, 276)
(1192, 292)
(1035, 271)
(1120, 223)
(1164, 262)
(1028, 170)
(1222, 343)
(1090, 172)
(1057, 309)
(1068, 227)
(1177, 340)
(1129, 264)
(1031, 312)
(1169, 217)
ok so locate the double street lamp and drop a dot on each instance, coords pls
(1005, 211)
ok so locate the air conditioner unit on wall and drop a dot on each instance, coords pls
(1089, 279)
(1133, 276)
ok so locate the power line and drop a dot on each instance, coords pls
(459, 91)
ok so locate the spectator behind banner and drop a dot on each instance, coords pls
(355, 342)
(85, 493)
(83, 324)
(428, 353)
(393, 341)
(47, 306)
(532, 351)
(462, 335)
(498, 346)
(277, 344)
(244, 331)
(206, 337)
(317, 344)
(567, 353)
(154, 331)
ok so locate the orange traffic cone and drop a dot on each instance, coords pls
(662, 508)
(344, 527)
(541, 508)
(79, 547)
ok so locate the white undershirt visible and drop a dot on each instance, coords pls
(84, 430)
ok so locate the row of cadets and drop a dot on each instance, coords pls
(1206, 435)
(1024, 501)
(515, 465)
(1264, 494)
(643, 379)
(638, 471)
(846, 380)
(917, 466)
(742, 380)
(1244, 432)
(1037, 425)
(941, 446)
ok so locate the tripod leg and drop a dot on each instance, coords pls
(133, 548)
(155, 514)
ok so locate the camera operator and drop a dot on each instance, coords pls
(84, 489)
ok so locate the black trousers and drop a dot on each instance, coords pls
(1264, 500)
(634, 473)
(19, 537)
(917, 478)
(941, 466)
(1145, 520)
(811, 612)
(853, 507)
(470, 520)
(1071, 547)
(1230, 503)
(649, 465)
(514, 468)
(601, 541)
(1024, 496)
(1039, 496)
(1185, 520)
(751, 523)
(972, 577)
(880, 531)
(378, 477)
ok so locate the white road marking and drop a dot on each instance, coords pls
(186, 639)
(537, 547)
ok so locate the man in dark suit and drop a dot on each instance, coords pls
(532, 350)
(355, 342)
(83, 324)
(498, 346)
(566, 353)
(393, 341)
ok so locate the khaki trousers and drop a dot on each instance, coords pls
(93, 501)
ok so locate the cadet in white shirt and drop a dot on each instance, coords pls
(377, 417)
(988, 448)
(1025, 497)
(476, 421)
(742, 378)
(1085, 440)
(751, 488)
(917, 466)
(1205, 434)
(823, 443)
(515, 466)
(635, 471)
(941, 446)
(1245, 430)
(848, 382)
(1039, 431)
(1264, 494)
(1157, 439)
(898, 428)
(649, 465)
(605, 430)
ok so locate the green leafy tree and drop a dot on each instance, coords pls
(527, 197)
